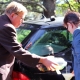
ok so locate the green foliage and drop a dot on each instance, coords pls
(4, 0)
(22, 34)
(68, 4)
(29, 7)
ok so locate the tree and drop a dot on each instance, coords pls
(73, 5)
(49, 8)
(78, 1)
(46, 7)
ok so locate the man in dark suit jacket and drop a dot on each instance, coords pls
(10, 48)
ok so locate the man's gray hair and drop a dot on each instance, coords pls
(15, 7)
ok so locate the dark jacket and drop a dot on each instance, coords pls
(10, 48)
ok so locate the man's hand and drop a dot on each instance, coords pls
(49, 62)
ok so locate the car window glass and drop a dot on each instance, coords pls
(57, 39)
(22, 33)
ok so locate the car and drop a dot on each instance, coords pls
(36, 36)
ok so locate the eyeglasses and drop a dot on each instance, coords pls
(19, 16)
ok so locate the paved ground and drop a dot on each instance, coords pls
(68, 76)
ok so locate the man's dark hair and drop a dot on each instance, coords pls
(71, 17)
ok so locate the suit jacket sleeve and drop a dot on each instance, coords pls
(9, 41)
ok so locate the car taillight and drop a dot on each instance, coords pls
(19, 76)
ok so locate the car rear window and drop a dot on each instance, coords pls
(57, 39)
(22, 33)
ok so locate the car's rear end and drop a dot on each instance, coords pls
(37, 36)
